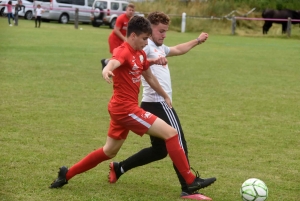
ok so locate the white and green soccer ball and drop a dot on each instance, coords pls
(254, 190)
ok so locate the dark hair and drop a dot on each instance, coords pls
(138, 25)
(158, 17)
(9, 2)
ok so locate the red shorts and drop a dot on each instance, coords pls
(138, 121)
(114, 42)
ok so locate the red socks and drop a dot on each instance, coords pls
(178, 157)
(88, 162)
(176, 153)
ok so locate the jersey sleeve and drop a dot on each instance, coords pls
(166, 49)
(119, 54)
(119, 22)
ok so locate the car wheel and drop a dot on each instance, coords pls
(28, 15)
(112, 23)
(64, 19)
(2, 11)
(96, 24)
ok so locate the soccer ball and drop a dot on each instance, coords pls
(254, 190)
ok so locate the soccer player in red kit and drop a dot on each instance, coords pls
(118, 35)
(128, 64)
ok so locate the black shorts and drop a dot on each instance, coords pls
(169, 115)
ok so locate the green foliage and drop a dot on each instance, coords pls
(237, 97)
(216, 10)
(262, 4)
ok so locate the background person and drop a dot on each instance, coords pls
(18, 8)
(155, 104)
(117, 36)
(9, 12)
(38, 15)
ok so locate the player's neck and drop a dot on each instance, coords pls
(131, 44)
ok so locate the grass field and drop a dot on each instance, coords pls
(238, 99)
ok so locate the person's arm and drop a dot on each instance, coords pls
(118, 33)
(185, 47)
(153, 82)
(117, 29)
(107, 72)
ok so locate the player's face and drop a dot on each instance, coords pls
(141, 41)
(129, 12)
(159, 33)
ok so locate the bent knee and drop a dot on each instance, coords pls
(173, 131)
(160, 152)
(109, 152)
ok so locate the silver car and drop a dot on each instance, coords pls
(105, 12)
(63, 11)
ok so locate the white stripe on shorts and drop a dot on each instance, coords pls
(138, 119)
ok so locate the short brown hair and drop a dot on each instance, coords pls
(131, 5)
(158, 17)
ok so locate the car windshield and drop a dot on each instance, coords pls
(101, 4)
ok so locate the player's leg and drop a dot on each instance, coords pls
(39, 19)
(147, 155)
(158, 149)
(8, 18)
(116, 137)
(161, 129)
(108, 151)
(140, 122)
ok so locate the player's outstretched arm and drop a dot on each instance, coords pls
(107, 72)
(185, 47)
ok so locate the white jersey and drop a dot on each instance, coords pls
(39, 11)
(162, 73)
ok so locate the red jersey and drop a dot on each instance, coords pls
(127, 79)
(122, 22)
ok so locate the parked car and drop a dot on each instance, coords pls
(63, 11)
(2, 7)
(105, 12)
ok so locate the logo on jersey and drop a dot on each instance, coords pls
(135, 71)
(142, 58)
(146, 115)
(135, 67)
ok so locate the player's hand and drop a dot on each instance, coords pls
(106, 74)
(161, 61)
(203, 37)
(168, 101)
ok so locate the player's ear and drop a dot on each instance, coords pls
(133, 35)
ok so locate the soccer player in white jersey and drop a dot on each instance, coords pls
(156, 104)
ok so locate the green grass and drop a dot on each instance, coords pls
(237, 97)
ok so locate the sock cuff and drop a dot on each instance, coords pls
(101, 151)
(171, 138)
